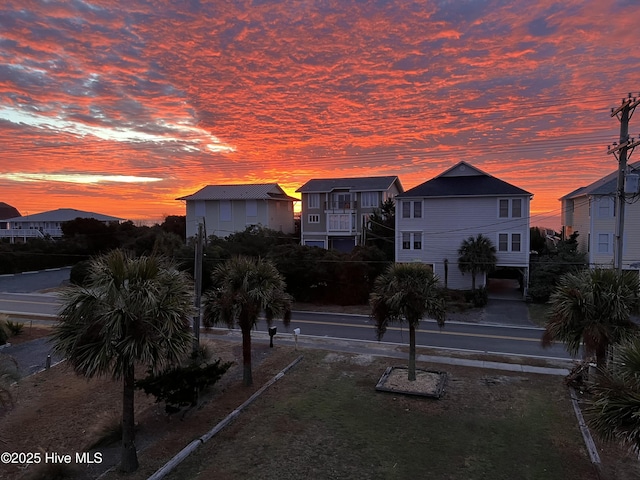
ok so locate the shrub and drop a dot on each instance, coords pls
(14, 328)
(179, 386)
(478, 297)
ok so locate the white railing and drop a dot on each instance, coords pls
(30, 233)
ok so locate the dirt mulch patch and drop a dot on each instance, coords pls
(57, 411)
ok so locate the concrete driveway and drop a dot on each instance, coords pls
(506, 305)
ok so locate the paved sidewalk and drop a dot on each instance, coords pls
(519, 363)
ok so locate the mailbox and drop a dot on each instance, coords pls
(272, 332)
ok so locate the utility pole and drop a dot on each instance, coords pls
(624, 113)
(197, 277)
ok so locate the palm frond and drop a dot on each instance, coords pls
(592, 307)
(133, 310)
(614, 412)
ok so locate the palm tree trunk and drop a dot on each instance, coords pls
(412, 352)
(247, 377)
(128, 454)
(473, 281)
(601, 356)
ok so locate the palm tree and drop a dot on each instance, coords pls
(406, 292)
(592, 307)
(133, 310)
(613, 412)
(244, 287)
(476, 255)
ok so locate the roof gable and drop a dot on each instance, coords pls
(250, 191)
(606, 185)
(8, 211)
(63, 215)
(355, 184)
(464, 180)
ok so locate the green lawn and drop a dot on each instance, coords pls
(325, 420)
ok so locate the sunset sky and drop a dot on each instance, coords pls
(122, 107)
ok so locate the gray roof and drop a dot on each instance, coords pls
(63, 215)
(8, 211)
(470, 185)
(250, 191)
(358, 184)
(606, 185)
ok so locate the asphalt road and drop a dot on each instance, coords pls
(34, 281)
(510, 332)
(472, 337)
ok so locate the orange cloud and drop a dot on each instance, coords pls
(199, 93)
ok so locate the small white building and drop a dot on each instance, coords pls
(47, 224)
(226, 209)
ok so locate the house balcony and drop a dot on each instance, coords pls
(30, 232)
(340, 206)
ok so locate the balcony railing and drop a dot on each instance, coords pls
(341, 205)
(30, 232)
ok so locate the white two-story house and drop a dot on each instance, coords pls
(435, 217)
(226, 209)
(335, 210)
(592, 212)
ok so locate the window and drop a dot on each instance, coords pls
(225, 211)
(252, 208)
(509, 242)
(606, 207)
(341, 200)
(503, 242)
(340, 222)
(516, 208)
(314, 200)
(412, 238)
(515, 242)
(406, 241)
(417, 209)
(604, 243)
(200, 208)
(406, 209)
(417, 241)
(314, 218)
(370, 199)
(504, 208)
(510, 208)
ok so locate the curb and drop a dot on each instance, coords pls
(586, 434)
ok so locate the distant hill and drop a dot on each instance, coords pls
(7, 211)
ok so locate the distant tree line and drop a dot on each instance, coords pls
(85, 237)
(312, 274)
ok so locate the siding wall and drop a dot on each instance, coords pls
(320, 231)
(589, 224)
(446, 222)
(581, 222)
(277, 215)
